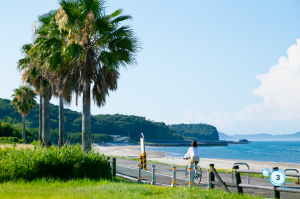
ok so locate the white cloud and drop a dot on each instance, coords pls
(280, 89)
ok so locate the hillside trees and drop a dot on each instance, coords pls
(196, 131)
(117, 124)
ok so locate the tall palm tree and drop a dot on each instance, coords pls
(41, 120)
(49, 42)
(37, 78)
(24, 101)
(46, 45)
(96, 46)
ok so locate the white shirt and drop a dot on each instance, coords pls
(192, 152)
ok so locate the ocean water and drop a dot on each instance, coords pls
(269, 151)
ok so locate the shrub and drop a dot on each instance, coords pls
(10, 140)
(69, 162)
(7, 130)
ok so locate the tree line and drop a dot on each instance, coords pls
(196, 131)
(116, 124)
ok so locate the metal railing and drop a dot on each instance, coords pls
(241, 163)
(238, 183)
(214, 178)
(293, 170)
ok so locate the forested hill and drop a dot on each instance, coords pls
(196, 131)
(101, 124)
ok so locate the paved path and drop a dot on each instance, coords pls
(164, 176)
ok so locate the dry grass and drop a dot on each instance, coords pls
(18, 146)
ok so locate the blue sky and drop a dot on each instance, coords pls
(200, 62)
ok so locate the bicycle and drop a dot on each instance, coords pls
(197, 172)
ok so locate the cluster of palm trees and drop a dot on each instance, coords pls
(76, 50)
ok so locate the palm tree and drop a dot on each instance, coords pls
(44, 47)
(37, 78)
(24, 101)
(41, 120)
(49, 42)
(95, 48)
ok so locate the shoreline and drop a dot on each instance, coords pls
(130, 150)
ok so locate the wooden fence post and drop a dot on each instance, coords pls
(211, 177)
(238, 180)
(114, 167)
(220, 180)
(276, 193)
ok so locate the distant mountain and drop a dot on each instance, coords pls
(260, 137)
(223, 136)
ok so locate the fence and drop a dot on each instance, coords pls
(213, 178)
(238, 183)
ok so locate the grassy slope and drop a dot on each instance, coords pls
(105, 189)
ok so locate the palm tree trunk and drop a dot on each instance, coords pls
(61, 122)
(46, 122)
(86, 119)
(23, 127)
(41, 120)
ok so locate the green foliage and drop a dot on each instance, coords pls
(196, 131)
(119, 189)
(132, 126)
(10, 140)
(96, 138)
(101, 124)
(7, 130)
(69, 162)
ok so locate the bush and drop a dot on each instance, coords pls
(10, 140)
(7, 130)
(69, 162)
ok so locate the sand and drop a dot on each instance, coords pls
(133, 150)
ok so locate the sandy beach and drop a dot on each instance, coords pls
(133, 150)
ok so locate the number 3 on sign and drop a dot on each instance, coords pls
(277, 177)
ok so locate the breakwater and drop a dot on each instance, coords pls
(184, 143)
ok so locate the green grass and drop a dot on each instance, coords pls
(85, 188)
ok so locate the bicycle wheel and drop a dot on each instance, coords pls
(187, 173)
(198, 175)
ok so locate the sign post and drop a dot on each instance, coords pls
(143, 152)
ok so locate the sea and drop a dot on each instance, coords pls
(267, 151)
